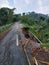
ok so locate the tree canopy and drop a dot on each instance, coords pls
(7, 16)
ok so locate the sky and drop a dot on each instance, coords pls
(39, 6)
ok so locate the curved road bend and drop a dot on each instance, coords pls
(10, 52)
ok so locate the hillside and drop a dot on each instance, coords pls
(37, 15)
(38, 25)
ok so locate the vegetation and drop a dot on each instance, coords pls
(7, 17)
(4, 28)
(37, 23)
(38, 26)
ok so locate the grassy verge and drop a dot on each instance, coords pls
(45, 45)
(31, 28)
(4, 28)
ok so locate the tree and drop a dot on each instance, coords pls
(16, 17)
(6, 15)
(23, 14)
(42, 18)
(48, 21)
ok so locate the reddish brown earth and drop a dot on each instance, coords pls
(40, 53)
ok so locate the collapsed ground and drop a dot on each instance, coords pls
(33, 48)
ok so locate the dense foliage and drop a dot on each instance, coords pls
(7, 16)
(39, 26)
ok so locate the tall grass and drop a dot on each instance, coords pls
(4, 28)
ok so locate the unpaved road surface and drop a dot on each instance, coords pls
(10, 50)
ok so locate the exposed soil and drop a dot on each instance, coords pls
(26, 32)
(33, 47)
(41, 53)
(29, 38)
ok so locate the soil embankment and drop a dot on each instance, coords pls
(33, 48)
